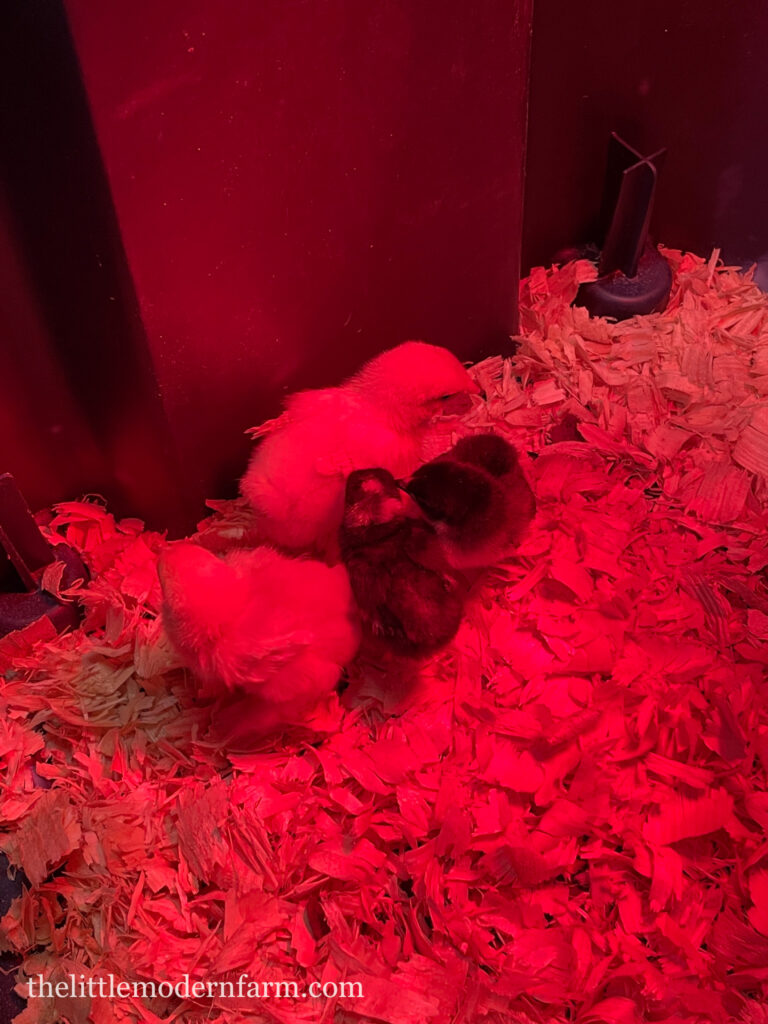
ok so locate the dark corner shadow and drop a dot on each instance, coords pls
(67, 235)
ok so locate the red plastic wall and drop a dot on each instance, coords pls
(299, 185)
(79, 405)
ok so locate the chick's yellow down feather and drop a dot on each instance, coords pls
(379, 417)
(258, 622)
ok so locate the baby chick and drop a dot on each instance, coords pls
(278, 628)
(408, 600)
(477, 499)
(295, 480)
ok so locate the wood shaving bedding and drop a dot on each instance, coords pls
(560, 818)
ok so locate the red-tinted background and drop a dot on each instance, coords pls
(691, 75)
(296, 186)
(203, 205)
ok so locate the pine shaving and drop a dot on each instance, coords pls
(561, 817)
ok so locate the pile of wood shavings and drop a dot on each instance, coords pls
(561, 818)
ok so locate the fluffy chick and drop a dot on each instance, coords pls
(295, 480)
(408, 601)
(278, 628)
(477, 499)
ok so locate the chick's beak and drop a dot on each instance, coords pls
(458, 404)
(408, 506)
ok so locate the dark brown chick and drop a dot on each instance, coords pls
(409, 600)
(477, 499)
